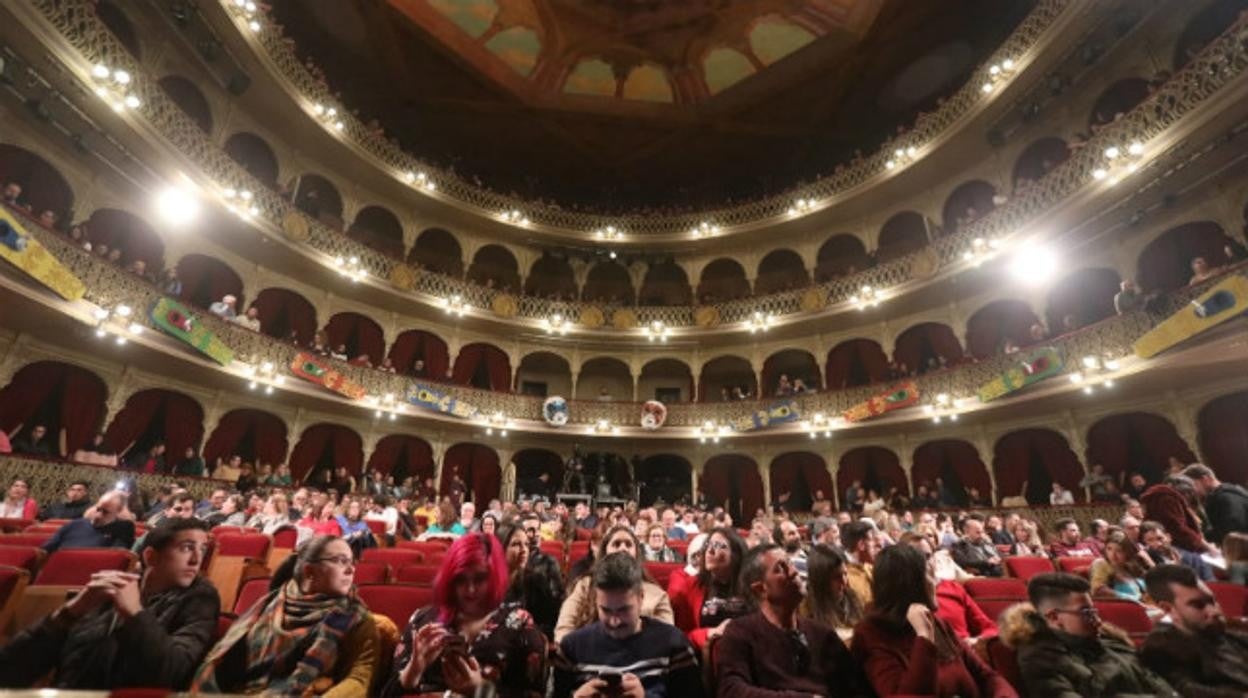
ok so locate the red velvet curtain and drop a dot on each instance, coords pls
(953, 461)
(326, 444)
(929, 339)
(989, 327)
(732, 481)
(730, 371)
(412, 456)
(359, 333)
(878, 468)
(125, 231)
(483, 360)
(532, 462)
(1166, 263)
(1029, 454)
(172, 417)
(803, 475)
(855, 362)
(205, 280)
(1136, 441)
(252, 434)
(68, 397)
(283, 311)
(478, 466)
(1224, 436)
(426, 346)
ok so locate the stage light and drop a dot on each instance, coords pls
(1033, 265)
(177, 205)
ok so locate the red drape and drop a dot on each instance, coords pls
(1015, 454)
(727, 475)
(1136, 441)
(415, 454)
(361, 335)
(804, 476)
(1224, 436)
(878, 468)
(255, 435)
(329, 444)
(478, 466)
(855, 362)
(426, 346)
(283, 311)
(532, 462)
(69, 397)
(988, 328)
(1166, 263)
(205, 280)
(927, 339)
(176, 417)
(483, 359)
(797, 364)
(949, 456)
(125, 231)
(731, 371)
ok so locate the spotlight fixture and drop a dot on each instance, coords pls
(819, 423)
(386, 406)
(801, 207)
(454, 305)
(514, 217)
(705, 229)
(113, 86)
(867, 297)
(557, 324)
(712, 432)
(497, 423)
(1120, 161)
(760, 321)
(246, 11)
(420, 180)
(329, 116)
(177, 205)
(241, 202)
(981, 249)
(604, 426)
(657, 329)
(116, 320)
(901, 156)
(998, 74)
(351, 267)
(609, 233)
(1033, 265)
(944, 407)
(1093, 372)
(263, 377)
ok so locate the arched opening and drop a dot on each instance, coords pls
(799, 479)
(614, 469)
(841, 255)
(927, 346)
(153, 417)
(604, 379)
(792, 365)
(1206, 26)
(665, 380)
(420, 354)
(1136, 442)
(1166, 263)
(378, 228)
(725, 378)
(325, 447)
(952, 471)
(531, 465)
(665, 284)
(731, 481)
(723, 280)
(477, 466)
(1037, 160)
(664, 478)
(551, 277)
(44, 188)
(998, 325)
(253, 435)
(494, 266)
(357, 336)
(286, 315)
(187, 97)
(874, 469)
(403, 456)
(608, 283)
(253, 154)
(122, 230)
(437, 250)
(482, 366)
(900, 235)
(855, 362)
(319, 198)
(1081, 299)
(1118, 99)
(1223, 434)
(119, 25)
(966, 204)
(206, 280)
(68, 401)
(781, 270)
(543, 374)
(1027, 462)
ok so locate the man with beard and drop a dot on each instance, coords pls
(1195, 651)
(789, 537)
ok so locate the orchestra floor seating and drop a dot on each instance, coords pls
(1027, 567)
(395, 601)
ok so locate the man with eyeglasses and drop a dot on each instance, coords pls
(1195, 651)
(773, 651)
(1064, 649)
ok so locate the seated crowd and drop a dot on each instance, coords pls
(851, 603)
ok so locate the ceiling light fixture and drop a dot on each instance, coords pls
(514, 217)
(801, 207)
(1033, 265)
(760, 321)
(351, 267)
(557, 324)
(867, 297)
(113, 86)
(902, 156)
(657, 329)
(264, 377)
(454, 305)
(705, 229)
(998, 74)
(177, 205)
(241, 202)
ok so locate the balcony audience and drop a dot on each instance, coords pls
(170, 284)
(1196, 651)
(101, 526)
(250, 319)
(1202, 271)
(34, 442)
(74, 505)
(1060, 496)
(17, 502)
(96, 453)
(224, 308)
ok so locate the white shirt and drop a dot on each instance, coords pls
(389, 515)
(222, 310)
(1066, 497)
(252, 324)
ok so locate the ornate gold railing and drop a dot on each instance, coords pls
(1220, 62)
(49, 479)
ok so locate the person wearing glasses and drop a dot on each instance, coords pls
(1064, 649)
(705, 607)
(773, 649)
(310, 634)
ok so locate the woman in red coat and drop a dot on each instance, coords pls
(703, 605)
(1170, 504)
(17, 503)
(905, 649)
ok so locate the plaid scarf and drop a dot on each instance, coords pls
(292, 639)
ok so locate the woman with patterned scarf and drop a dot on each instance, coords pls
(309, 635)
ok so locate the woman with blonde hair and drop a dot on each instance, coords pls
(1119, 572)
(275, 515)
(1027, 541)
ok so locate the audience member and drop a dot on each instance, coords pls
(1128, 298)
(1195, 651)
(1098, 532)
(578, 608)
(32, 442)
(974, 551)
(1060, 496)
(74, 506)
(1120, 570)
(714, 598)
(1068, 543)
(1157, 543)
(250, 319)
(655, 548)
(861, 544)
(96, 453)
(1172, 503)
(99, 527)
(17, 502)
(224, 308)
(535, 583)
(1225, 504)
(191, 465)
(829, 598)
(1201, 271)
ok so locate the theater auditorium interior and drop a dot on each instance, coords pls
(606, 348)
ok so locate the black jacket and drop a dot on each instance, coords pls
(160, 647)
(1199, 667)
(1227, 509)
(65, 510)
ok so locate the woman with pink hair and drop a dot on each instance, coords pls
(468, 637)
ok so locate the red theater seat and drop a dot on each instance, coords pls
(1233, 598)
(1128, 615)
(237, 556)
(74, 567)
(395, 601)
(395, 557)
(553, 548)
(662, 571)
(250, 545)
(13, 581)
(424, 546)
(994, 606)
(33, 539)
(378, 528)
(1025, 568)
(24, 556)
(251, 591)
(1001, 587)
(14, 525)
(218, 530)
(285, 537)
(419, 575)
(372, 573)
(1075, 565)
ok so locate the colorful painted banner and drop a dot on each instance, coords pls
(1228, 299)
(779, 412)
(26, 253)
(1034, 366)
(175, 320)
(433, 398)
(901, 395)
(315, 370)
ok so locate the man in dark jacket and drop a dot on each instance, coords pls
(74, 506)
(1195, 651)
(1064, 650)
(99, 527)
(1170, 504)
(123, 629)
(1226, 505)
(974, 551)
